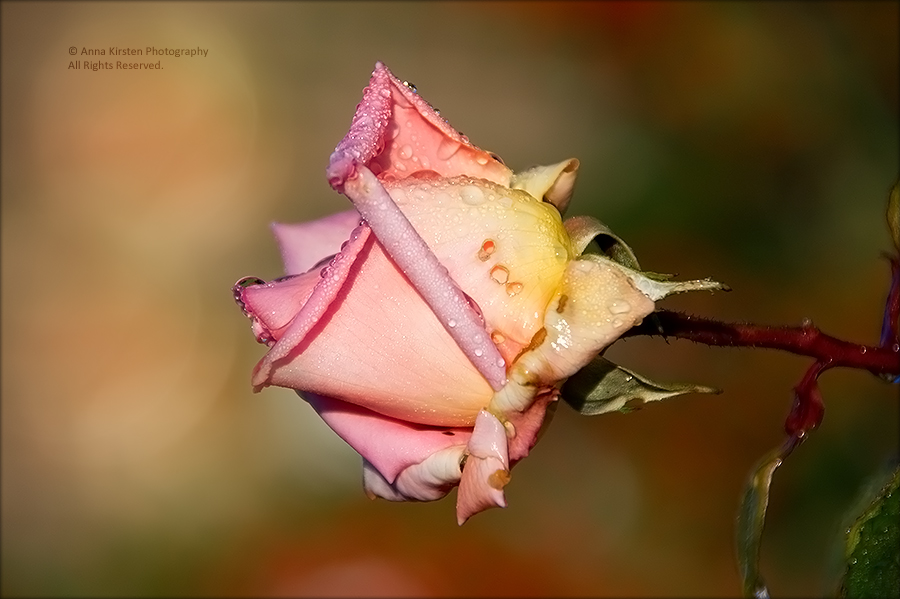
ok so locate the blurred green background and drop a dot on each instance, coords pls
(751, 142)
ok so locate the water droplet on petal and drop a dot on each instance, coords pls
(487, 248)
(482, 160)
(451, 323)
(619, 307)
(472, 195)
(385, 92)
(500, 274)
(513, 288)
(249, 281)
(399, 166)
(497, 337)
(479, 353)
(411, 86)
(406, 152)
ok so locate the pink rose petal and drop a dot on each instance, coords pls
(378, 345)
(390, 445)
(395, 133)
(486, 471)
(303, 245)
(326, 290)
(410, 252)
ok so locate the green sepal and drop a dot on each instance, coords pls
(872, 552)
(585, 230)
(603, 386)
(657, 286)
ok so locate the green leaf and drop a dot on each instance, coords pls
(602, 387)
(873, 547)
(751, 519)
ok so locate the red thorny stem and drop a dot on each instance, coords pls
(806, 340)
(807, 409)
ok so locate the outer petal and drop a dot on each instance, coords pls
(554, 184)
(397, 133)
(505, 249)
(389, 445)
(597, 304)
(303, 245)
(418, 262)
(428, 480)
(378, 345)
(526, 426)
(486, 471)
(329, 286)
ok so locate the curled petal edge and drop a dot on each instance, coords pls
(486, 471)
(324, 293)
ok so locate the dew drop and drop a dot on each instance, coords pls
(394, 131)
(411, 86)
(505, 202)
(497, 337)
(583, 265)
(619, 307)
(472, 195)
(500, 274)
(399, 166)
(617, 322)
(510, 429)
(482, 160)
(451, 323)
(385, 92)
(895, 348)
(487, 248)
(513, 288)
(501, 363)
(862, 350)
(249, 281)
(479, 353)
(406, 152)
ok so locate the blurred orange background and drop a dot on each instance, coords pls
(750, 142)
